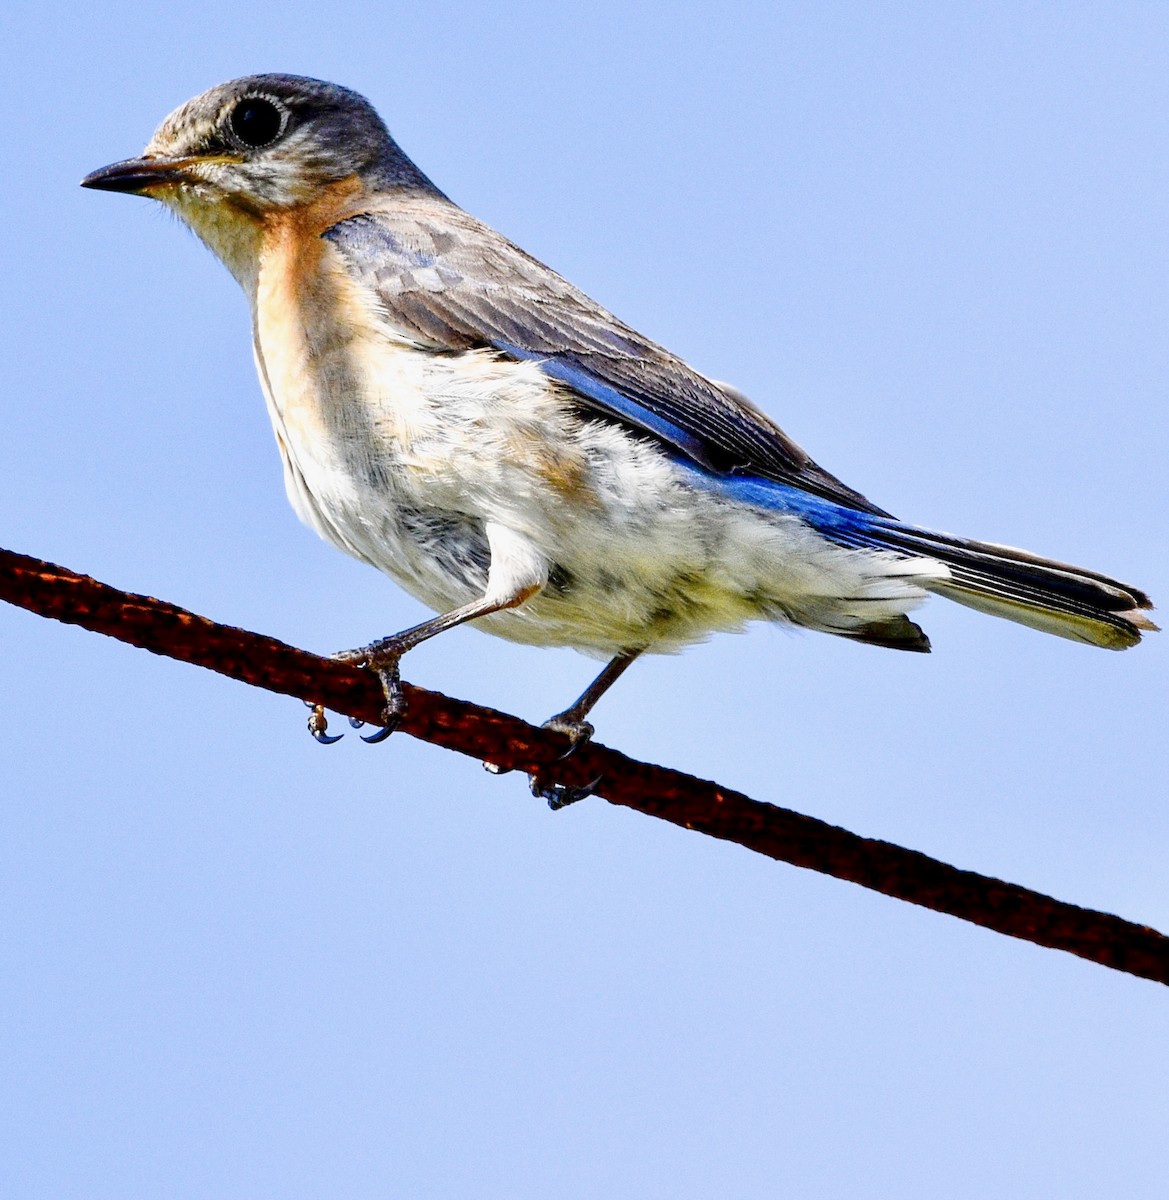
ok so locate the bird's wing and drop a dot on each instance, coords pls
(450, 283)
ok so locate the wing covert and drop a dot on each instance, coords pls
(451, 283)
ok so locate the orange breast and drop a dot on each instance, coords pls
(301, 317)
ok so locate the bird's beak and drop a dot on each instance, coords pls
(140, 176)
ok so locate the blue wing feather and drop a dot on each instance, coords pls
(608, 397)
(453, 284)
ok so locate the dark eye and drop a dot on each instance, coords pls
(256, 121)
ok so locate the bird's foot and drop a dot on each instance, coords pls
(574, 728)
(383, 659)
(561, 795)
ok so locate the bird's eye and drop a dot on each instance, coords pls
(256, 122)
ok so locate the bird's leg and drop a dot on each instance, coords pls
(572, 720)
(517, 572)
(384, 656)
(572, 723)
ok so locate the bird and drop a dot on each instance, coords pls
(453, 412)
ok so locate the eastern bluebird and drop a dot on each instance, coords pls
(456, 414)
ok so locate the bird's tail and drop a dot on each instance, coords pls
(1054, 597)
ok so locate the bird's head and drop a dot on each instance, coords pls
(260, 146)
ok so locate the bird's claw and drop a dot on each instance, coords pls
(380, 733)
(561, 795)
(318, 725)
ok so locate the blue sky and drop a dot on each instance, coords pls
(931, 241)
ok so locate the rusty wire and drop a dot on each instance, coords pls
(513, 744)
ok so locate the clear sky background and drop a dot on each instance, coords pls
(932, 241)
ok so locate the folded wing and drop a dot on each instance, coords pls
(451, 283)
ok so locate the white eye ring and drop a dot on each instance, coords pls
(256, 121)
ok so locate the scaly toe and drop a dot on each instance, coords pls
(577, 732)
(318, 725)
(391, 715)
(382, 658)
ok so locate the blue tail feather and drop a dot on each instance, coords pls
(1054, 597)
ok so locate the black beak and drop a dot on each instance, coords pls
(138, 175)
